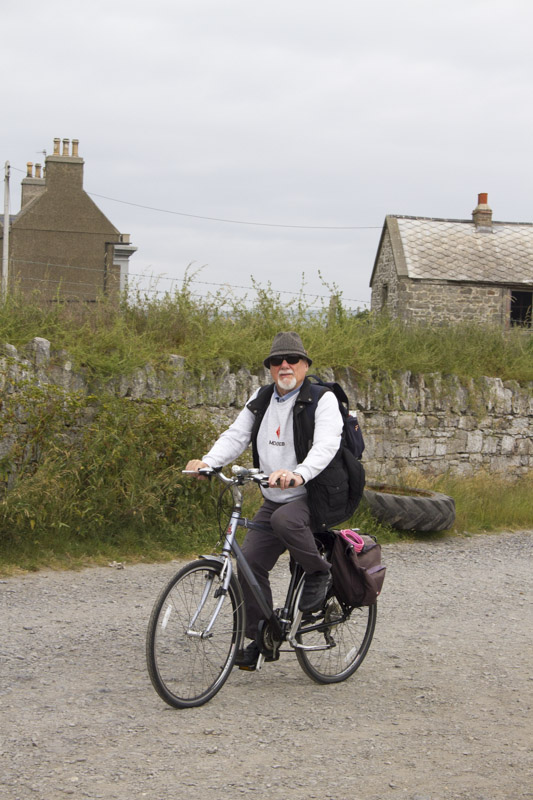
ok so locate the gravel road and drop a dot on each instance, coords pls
(440, 709)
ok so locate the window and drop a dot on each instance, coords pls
(384, 296)
(521, 303)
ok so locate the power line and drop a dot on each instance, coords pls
(240, 221)
(223, 220)
(184, 280)
(147, 290)
(234, 221)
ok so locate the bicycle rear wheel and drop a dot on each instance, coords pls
(188, 662)
(343, 637)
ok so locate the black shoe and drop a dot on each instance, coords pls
(315, 590)
(247, 658)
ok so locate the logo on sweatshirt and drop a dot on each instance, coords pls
(277, 443)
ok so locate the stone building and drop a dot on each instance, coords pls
(446, 270)
(60, 244)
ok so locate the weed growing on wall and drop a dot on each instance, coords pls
(107, 339)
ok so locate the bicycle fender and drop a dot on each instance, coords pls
(223, 562)
(212, 558)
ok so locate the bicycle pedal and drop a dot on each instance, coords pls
(259, 663)
(312, 616)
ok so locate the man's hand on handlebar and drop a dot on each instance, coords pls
(280, 479)
(284, 479)
(194, 465)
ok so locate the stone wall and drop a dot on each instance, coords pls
(442, 302)
(434, 423)
(385, 283)
(430, 423)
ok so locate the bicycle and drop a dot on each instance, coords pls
(197, 623)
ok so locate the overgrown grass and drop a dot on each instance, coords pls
(113, 486)
(171, 516)
(110, 339)
(483, 503)
(100, 478)
(486, 502)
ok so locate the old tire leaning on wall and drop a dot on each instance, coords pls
(410, 509)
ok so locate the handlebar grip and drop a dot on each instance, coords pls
(291, 482)
(206, 472)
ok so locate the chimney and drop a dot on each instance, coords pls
(64, 171)
(482, 214)
(31, 187)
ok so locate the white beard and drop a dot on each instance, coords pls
(287, 382)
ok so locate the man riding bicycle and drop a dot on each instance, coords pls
(314, 482)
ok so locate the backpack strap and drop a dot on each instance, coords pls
(352, 437)
(336, 388)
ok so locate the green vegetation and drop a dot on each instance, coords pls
(90, 480)
(93, 479)
(107, 339)
(485, 502)
(121, 496)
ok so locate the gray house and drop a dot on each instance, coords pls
(447, 270)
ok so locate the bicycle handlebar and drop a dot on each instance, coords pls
(242, 475)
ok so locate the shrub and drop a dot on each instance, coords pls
(116, 480)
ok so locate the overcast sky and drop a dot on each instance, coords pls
(294, 113)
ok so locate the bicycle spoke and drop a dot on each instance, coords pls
(187, 665)
(341, 642)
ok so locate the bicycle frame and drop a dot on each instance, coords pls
(231, 546)
(285, 624)
(196, 627)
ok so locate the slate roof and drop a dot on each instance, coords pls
(456, 250)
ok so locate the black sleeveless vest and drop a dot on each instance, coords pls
(336, 492)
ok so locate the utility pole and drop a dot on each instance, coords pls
(5, 249)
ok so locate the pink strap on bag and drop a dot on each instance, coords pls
(352, 537)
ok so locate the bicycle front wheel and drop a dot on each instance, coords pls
(342, 641)
(193, 634)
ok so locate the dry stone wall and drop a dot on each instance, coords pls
(430, 423)
(451, 303)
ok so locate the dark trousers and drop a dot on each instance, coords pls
(288, 529)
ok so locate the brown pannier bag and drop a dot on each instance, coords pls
(357, 577)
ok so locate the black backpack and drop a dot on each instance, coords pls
(353, 438)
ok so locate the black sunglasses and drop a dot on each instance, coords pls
(277, 361)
